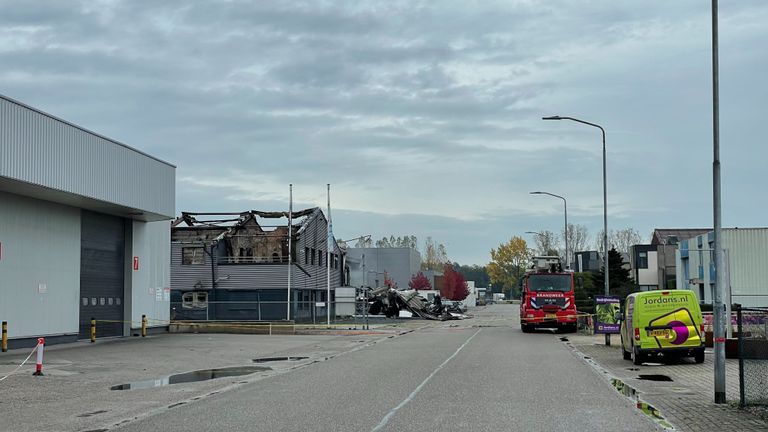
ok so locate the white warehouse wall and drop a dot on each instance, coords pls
(40, 244)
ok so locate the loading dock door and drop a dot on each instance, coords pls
(102, 262)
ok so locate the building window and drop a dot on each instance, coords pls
(320, 258)
(194, 300)
(275, 257)
(306, 255)
(312, 256)
(192, 256)
(642, 260)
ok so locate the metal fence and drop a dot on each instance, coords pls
(306, 312)
(752, 330)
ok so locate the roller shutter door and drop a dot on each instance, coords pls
(102, 263)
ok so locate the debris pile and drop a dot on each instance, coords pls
(390, 302)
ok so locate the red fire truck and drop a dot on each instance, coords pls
(547, 296)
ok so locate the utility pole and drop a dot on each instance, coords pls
(719, 310)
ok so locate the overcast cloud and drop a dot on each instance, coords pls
(424, 116)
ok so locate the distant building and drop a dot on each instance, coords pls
(644, 269)
(666, 242)
(368, 266)
(746, 255)
(587, 261)
(234, 266)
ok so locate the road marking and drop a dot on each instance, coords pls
(416, 391)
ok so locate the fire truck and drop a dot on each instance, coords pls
(547, 296)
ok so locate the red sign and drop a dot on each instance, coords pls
(135, 263)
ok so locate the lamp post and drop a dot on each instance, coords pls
(718, 309)
(605, 203)
(565, 232)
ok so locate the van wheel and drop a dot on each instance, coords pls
(624, 353)
(699, 355)
(637, 358)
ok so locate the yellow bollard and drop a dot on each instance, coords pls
(143, 326)
(93, 330)
(5, 336)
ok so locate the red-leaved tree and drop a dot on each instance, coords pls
(420, 282)
(454, 285)
(389, 282)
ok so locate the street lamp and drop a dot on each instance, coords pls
(605, 203)
(565, 233)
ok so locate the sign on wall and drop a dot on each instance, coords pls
(135, 263)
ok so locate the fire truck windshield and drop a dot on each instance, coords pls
(549, 282)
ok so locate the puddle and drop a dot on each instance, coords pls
(646, 408)
(654, 378)
(200, 375)
(275, 359)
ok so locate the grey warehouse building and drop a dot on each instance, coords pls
(84, 230)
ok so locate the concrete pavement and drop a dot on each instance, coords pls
(479, 374)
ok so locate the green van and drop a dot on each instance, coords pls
(662, 322)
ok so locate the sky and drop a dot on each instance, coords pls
(424, 116)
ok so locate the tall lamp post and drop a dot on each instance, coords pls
(605, 203)
(718, 309)
(565, 232)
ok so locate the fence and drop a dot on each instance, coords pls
(314, 312)
(752, 331)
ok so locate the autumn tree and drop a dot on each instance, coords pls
(508, 263)
(388, 282)
(420, 282)
(454, 286)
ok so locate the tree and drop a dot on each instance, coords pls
(408, 241)
(547, 243)
(578, 238)
(435, 255)
(621, 239)
(389, 282)
(619, 281)
(419, 282)
(454, 285)
(508, 263)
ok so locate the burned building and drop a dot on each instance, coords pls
(234, 266)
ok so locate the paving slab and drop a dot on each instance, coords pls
(687, 400)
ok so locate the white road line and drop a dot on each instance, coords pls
(416, 391)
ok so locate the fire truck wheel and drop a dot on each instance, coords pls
(526, 328)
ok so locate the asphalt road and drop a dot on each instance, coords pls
(481, 374)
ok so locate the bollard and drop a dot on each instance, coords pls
(93, 330)
(143, 326)
(5, 336)
(39, 363)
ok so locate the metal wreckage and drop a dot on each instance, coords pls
(391, 302)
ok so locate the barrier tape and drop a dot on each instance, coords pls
(542, 319)
(22, 363)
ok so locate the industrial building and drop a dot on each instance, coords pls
(234, 266)
(368, 266)
(745, 255)
(84, 230)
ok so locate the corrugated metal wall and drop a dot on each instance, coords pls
(185, 277)
(39, 149)
(40, 246)
(748, 253)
